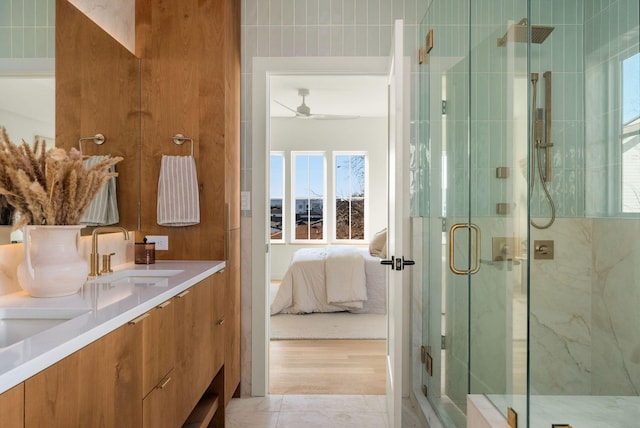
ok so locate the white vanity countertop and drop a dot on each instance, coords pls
(109, 306)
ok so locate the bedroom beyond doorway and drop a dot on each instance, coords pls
(327, 353)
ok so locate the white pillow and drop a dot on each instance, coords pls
(378, 244)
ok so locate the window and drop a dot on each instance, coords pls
(309, 195)
(630, 134)
(276, 197)
(350, 197)
(319, 200)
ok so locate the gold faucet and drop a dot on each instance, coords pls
(95, 256)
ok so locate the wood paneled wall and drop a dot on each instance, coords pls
(190, 85)
(190, 54)
(98, 91)
(186, 81)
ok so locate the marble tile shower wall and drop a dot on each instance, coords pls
(584, 317)
(611, 35)
(27, 28)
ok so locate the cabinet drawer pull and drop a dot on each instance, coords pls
(220, 321)
(140, 318)
(165, 382)
(164, 304)
(184, 293)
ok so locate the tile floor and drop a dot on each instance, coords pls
(314, 411)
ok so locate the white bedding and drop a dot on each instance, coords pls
(332, 279)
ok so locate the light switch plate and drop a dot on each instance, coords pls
(245, 201)
(161, 241)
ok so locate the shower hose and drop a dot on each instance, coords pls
(534, 150)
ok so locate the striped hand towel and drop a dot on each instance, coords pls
(178, 199)
(103, 210)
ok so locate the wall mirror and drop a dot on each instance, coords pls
(91, 86)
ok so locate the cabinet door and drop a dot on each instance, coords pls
(12, 407)
(158, 406)
(158, 345)
(99, 385)
(220, 324)
(194, 368)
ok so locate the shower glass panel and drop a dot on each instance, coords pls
(584, 319)
(445, 97)
(530, 114)
(499, 141)
(474, 90)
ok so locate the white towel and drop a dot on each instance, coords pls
(178, 199)
(103, 210)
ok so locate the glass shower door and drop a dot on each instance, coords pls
(475, 93)
(445, 96)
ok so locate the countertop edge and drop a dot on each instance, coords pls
(16, 375)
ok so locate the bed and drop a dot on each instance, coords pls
(332, 279)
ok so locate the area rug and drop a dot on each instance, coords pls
(339, 325)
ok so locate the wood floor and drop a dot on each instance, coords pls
(354, 367)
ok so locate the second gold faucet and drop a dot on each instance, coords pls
(95, 255)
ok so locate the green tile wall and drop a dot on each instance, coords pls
(27, 29)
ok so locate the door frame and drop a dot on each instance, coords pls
(263, 69)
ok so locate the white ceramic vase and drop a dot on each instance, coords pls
(52, 265)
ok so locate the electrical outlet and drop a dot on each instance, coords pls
(161, 241)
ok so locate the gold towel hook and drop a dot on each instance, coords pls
(98, 139)
(179, 139)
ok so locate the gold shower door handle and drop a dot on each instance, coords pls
(476, 262)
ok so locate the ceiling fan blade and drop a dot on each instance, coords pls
(287, 107)
(334, 116)
(303, 111)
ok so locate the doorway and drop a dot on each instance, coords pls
(263, 251)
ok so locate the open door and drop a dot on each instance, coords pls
(397, 235)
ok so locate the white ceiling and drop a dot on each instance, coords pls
(364, 96)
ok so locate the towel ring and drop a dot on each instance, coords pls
(179, 139)
(98, 139)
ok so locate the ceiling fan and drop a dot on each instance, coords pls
(303, 111)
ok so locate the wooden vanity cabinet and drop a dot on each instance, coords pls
(199, 331)
(151, 372)
(158, 345)
(158, 409)
(158, 356)
(232, 315)
(12, 407)
(99, 385)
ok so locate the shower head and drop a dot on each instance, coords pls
(518, 33)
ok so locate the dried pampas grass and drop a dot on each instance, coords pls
(49, 187)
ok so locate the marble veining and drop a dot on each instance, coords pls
(578, 411)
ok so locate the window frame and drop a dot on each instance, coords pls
(284, 213)
(292, 186)
(626, 131)
(334, 196)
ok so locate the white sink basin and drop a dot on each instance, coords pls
(134, 276)
(17, 324)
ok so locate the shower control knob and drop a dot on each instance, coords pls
(544, 249)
